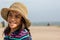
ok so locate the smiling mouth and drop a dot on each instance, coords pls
(12, 22)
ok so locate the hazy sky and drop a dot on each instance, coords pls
(39, 10)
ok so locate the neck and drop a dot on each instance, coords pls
(13, 29)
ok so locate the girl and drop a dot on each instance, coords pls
(18, 24)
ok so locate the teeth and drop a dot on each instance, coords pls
(12, 22)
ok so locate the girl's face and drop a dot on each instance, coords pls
(14, 19)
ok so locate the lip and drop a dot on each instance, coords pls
(12, 22)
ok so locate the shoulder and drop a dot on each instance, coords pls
(25, 35)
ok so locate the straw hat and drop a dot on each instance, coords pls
(16, 7)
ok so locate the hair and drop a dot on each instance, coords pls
(8, 29)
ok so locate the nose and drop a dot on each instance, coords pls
(12, 18)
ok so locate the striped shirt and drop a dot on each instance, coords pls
(22, 35)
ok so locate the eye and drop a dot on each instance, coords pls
(17, 16)
(10, 14)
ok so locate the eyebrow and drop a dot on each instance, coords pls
(18, 14)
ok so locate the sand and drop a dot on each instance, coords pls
(42, 32)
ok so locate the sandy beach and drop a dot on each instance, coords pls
(42, 32)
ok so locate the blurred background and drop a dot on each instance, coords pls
(40, 12)
(44, 16)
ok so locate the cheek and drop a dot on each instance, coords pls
(18, 21)
(8, 19)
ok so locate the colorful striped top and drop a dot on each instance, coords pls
(22, 35)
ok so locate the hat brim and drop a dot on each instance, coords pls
(4, 13)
